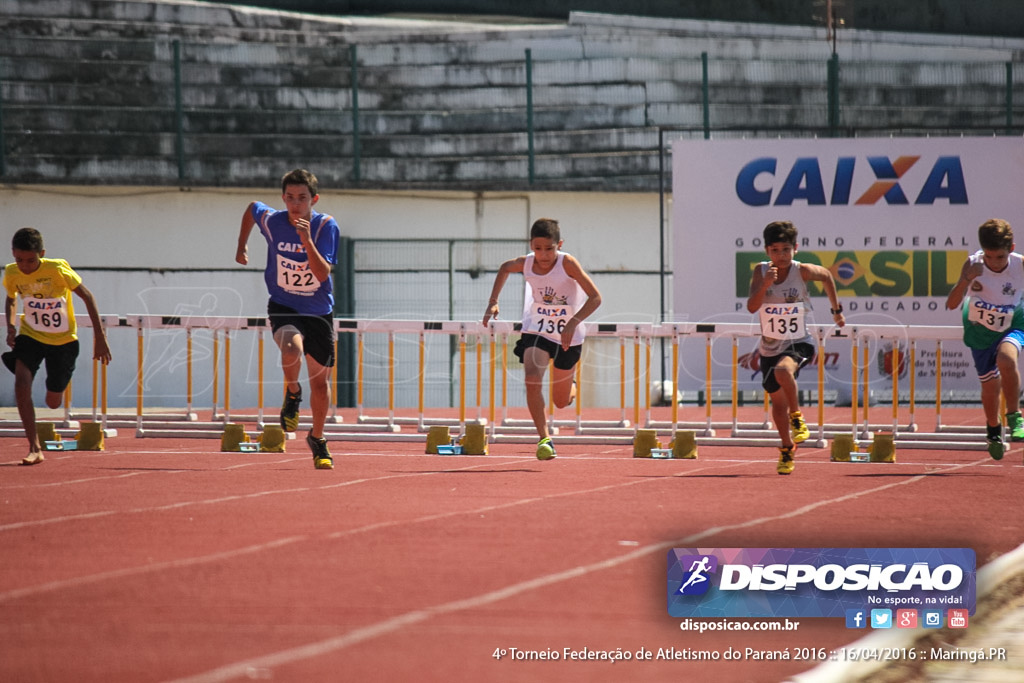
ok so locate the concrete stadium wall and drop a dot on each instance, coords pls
(991, 17)
(171, 252)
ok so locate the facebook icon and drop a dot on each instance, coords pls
(856, 618)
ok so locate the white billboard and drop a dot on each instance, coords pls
(893, 219)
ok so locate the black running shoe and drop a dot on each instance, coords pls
(290, 410)
(322, 459)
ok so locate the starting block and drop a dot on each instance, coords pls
(474, 441)
(248, 447)
(685, 445)
(437, 436)
(59, 445)
(645, 442)
(272, 440)
(90, 437)
(46, 431)
(449, 449)
(883, 449)
(843, 448)
(233, 437)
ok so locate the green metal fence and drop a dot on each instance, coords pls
(181, 113)
(433, 279)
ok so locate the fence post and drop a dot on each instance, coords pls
(705, 94)
(345, 307)
(3, 143)
(529, 112)
(179, 116)
(453, 345)
(833, 95)
(356, 147)
(1009, 98)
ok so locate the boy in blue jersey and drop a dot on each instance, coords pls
(301, 249)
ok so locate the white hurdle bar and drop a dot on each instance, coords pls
(496, 337)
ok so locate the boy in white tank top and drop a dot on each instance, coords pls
(559, 297)
(994, 326)
(778, 293)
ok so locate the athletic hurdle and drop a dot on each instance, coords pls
(70, 422)
(493, 342)
(860, 429)
(223, 330)
(585, 430)
(186, 424)
(461, 330)
(496, 339)
(707, 431)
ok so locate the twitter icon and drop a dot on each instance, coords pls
(881, 618)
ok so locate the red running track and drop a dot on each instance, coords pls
(160, 560)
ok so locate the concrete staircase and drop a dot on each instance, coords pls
(90, 95)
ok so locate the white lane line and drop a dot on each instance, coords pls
(135, 571)
(224, 499)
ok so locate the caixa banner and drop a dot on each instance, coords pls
(817, 582)
(893, 220)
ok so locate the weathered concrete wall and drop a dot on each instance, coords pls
(92, 94)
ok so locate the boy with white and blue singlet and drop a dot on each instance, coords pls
(993, 280)
(301, 250)
(559, 297)
(47, 331)
(778, 294)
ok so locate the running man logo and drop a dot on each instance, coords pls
(805, 182)
(871, 273)
(696, 580)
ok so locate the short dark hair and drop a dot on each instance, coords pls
(300, 176)
(995, 233)
(779, 231)
(546, 228)
(27, 239)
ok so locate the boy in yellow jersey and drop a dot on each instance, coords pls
(47, 332)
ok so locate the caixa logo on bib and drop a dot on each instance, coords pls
(816, 582)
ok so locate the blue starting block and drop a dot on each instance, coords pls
(248, 447)
(661, 453)
(60, 445)
(449, 449)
